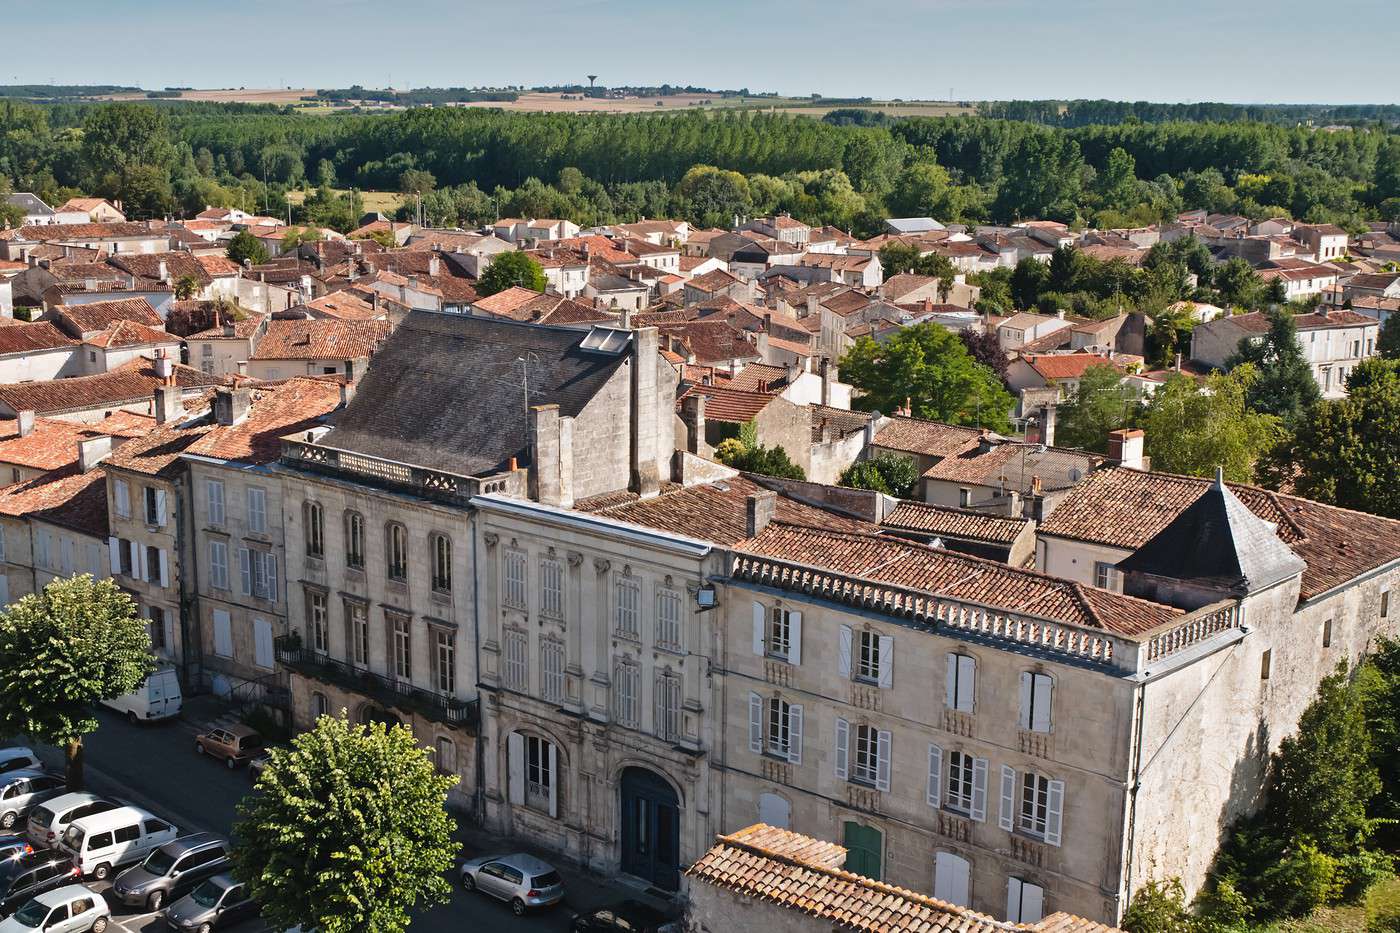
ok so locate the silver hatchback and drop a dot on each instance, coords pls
(520, 880)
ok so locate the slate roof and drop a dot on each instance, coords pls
(63, 497)
(444, 391)
(320, 339)
(963, 524)
(134, 381)
(929, 438)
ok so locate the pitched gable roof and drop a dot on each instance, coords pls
(132, 382)
(99, 315)
(321, 339)
(33, 338)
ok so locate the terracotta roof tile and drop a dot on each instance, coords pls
(132, 382)
(131, 334)
(1065, 365)
(954, 523)
(840, 421)
(321, 339)
(63, 497)
(929, 438)
(33, 338)
(99, 315)
(725, 403)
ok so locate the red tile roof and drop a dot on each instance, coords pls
(62, 497)
(131, 334)
(929, 438)
(321, 339)
(1065, 365)
(132, 382)
(724, 403)
(33, 338)
(99, 315)
(954, 523)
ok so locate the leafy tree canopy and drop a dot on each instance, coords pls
(1193, 429)
(1100, 403)
(1283, 384)
(511, 269)
(246, 247)
(769, 461)
(892, 474)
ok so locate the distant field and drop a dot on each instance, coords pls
(385, 202)
(235, 95)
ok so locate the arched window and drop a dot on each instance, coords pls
(397, 557)
(442, 563)
(354, 540)
(315, 530)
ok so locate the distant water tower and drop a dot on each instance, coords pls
(592, 80)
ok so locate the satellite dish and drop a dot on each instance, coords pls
(1075, 474)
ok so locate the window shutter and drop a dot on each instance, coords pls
(759, 615)
(1024, 720)
(755, 723)
(1040, 720)
(1013, 900)
(886, 662)
(967, 682)
(1007, 816)
(271, 564)
(962, 872)
(515, 768)
(553, 780)
(135, 550)
(882, 760)
(160, 507)
(943, 876)
(794, 637)
(795, 734)
(1032, 902)
(164, 568)
(123, 498)
(168, 625)
(979, 789)
(145, 564)
(1053, 812)
(843, 747)
(245, 567)
(262, 643)
(845, 651)
(935, 776)
(114, 555)
(950, 691)
(223, 634)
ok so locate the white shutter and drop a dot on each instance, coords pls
(843, 747)
(145, 573)
(164, 568)
(794, 638)
(515, 768)
(950, 878)
(1032, 902)
(168, 624)
(1024, 720)
(160, 507)
(967, 682)
(1013, 900)
(114, 554)
(1007, 816)
(262, 643)
(962, 889)
(245, 567)
(846, 651)
(4, 589)
(882, 760)
(886, 662)
(553, 780)
(795, 734)
(1054, 812)
(1040, 707)
(755, 723)
(123, 498)
(950, 689)
(759, 615)
(223, 634)
(935, 776)
(979, 789)
(135, 550)
(270, 561)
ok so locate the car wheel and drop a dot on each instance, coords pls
(99, 925)
(101, 872)
(131, 717)
(206, 928)
(230, 762)
(8, 820)
(199, 748)
(154, 902)
(468, 882)
(517, 907)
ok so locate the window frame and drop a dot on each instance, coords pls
(354, 540)
(515, 659)
(551, 588)
(670, 619)
(396, 552)
(514, 588)
(441, 548)
(553, 662)
(315, 518)
(865, 665)
(627, 607)
(444, 660)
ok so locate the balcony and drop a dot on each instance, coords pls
(392, 693)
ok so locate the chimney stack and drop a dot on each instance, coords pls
(825, 370)
(25, 421)
(1125, 448)
(168, 404)
(759, 509)
(347, 392)
(551, 475)
(1044, 432)
(693, 417)
(646, 422)
(231, 405)
(164, 274)
(92, 451)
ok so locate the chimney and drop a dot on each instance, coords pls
(759, 509)
(349, 370)
(693, 417)
(165, 368)
(871, 428)
(434, 265)
(551, 457)
(164, 274)
(92, 451)
(928, 304)
(627, 317)
(1044, 432)
(825, 369)
(347, 392)
(231, 405)
(646, 422)
(26, 422)
(168, 404)
(1125, 448)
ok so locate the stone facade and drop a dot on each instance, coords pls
(144, 552)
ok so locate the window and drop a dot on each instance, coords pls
(960, 689)
(514, 594)
(872, 757)
(516, 670)
(446, 756)
(965, 498)
(667, 714)
(965, 790)
(868, 660)
(782, 633)
(552, 670)
(218, 565)
(354, 540)
(629, 607)
(316, 616)
(1385, 603)
(155, 506)
(357, 620)
(206, 366)
(320, 706)
(1327, 634)
(152, 564)
(1104, 575)
(123, 497)
(951, 876)
(1040, 804)
(223, 634)
(442, 563)
(257, 509)
(315, 530)
(445, 655)
(127, 557)
(402, 631)
(775, 728)
(259, 572)
(214, 500)
(539, 773)
(1036, 690)
(1266, 663)
(263, 653)
(42, 557)
(551, 589)
(396, 563)
(157, 628)
(668, 619)
(627, 679)
(1025, 902)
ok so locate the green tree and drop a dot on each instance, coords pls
(1379, 683)
(1388, 346)
(924, 189)
(62, 650)
(1193, 429)
(713, 197)
(769, 461)
(416, 181)
(347, 830)
(186, 288)
(511, 269)
(245, 246)
(892, 474)
(1100, 403)
(118, 136)
(930, 367)
(1284, 384)
(1159, 907)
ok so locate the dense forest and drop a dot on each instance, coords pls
(1087, 112)
(469, 164)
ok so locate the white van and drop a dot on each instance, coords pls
(104, 841)
(158, 698)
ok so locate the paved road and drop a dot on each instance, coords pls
(155, 766)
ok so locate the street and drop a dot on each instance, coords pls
(154, 766)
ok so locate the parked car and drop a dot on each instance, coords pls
(158, 698)
(172, 871)
(234, 744)
(22, 790)
(631, 916)
(220, 901)
(25, 876)
(19, 759)
(521, 880)
(105, 841)
(48, 821)
(14, 847)
(69, 909)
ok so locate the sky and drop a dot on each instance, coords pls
(1281, 51)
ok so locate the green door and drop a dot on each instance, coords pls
(863, 846)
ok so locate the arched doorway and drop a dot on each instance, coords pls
(651, 817)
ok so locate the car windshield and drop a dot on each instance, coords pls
(207, 894)
(547, 880)
(73, 839)
(31, 914)
(159, 862)
(41, 816)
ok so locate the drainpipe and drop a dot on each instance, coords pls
(189, 655)
(479, 795)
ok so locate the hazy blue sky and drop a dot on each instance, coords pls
(1168, 50)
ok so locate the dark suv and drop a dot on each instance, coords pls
(24, 876)
(172, 871)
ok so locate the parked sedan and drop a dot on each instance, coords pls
(221, 901)
(22, 877)
(21, 790)
(520, 880)
(234, 744)
(14, 847)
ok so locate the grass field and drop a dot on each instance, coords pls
(385, 202)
